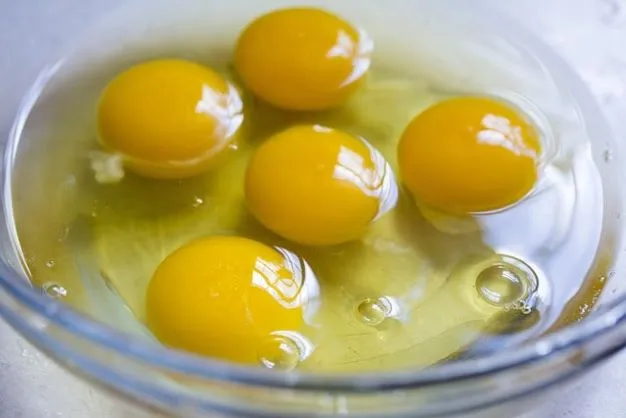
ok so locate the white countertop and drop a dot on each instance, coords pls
(591, 34)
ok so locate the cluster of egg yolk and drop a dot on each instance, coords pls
(172, 118)
(333, 185)
(225, 296)
(169, 118)
(469, 155)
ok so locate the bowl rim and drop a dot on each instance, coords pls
(614, 313)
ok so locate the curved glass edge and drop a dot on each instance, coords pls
(594, 327)
(140, 381)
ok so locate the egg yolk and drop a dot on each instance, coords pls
(168, 118)
(302, 58)
(225, 296)
(318, 186)
(469, 154)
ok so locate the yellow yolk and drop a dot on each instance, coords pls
(318, 186)
(469, 154)
(168, 118)
(226, 296)
(302, 58)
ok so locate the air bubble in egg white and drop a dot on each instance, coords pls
(197, 202)
(371, 312)
(284, 351)
(509, 283)
(54, 290)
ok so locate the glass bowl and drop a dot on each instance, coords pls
(88, 341)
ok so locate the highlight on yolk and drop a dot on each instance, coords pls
(230, 298)
(469, 154)
(318, 186)
(168, 118)
(302, 58)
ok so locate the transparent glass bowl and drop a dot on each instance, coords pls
(500, 385)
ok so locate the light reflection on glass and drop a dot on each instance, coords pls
(291, 283)
(227, 111)
(359, 51)
(378, 182)
(499, 132)
(225, 108)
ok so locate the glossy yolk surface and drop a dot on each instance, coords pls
(469, 154)
(302, 58)
(315, 185)
(224, 296)
(168, 118)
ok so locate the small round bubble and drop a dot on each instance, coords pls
(54, 290)
(501, 285)
(197, 202)
(279, 352)
(509, 283)
(371, 311)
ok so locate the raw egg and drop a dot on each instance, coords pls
(229, 297)
(318, 186)
(302, 58)
(168, 118)
(469, 154)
